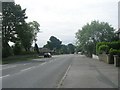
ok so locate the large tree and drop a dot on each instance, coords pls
(71, 48)
(53, 44)
(25, 35)
(64, 49)
(15, 29)
(90, 34)
(13, 17)
(35, 27)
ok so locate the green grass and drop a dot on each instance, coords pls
(19, 59)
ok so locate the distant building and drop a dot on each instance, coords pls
(44, 50)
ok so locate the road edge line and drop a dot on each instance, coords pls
(5, 76)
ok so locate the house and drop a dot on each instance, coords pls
(44, 50)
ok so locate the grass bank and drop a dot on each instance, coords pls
(14, 59)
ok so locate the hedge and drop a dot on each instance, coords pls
(103, 48)
(113, 45)
(114, 52)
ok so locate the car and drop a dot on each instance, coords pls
(47, 55)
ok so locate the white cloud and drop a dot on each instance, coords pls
(62, 18)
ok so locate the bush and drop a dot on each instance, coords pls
(98, 45)
(17, 49)
(6, 52)
(104, 48)
(27, 53)
(114, 45)
(114, 52)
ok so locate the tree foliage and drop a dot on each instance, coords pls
(92, 33)
(17, 48)
(35, 29)
(15, 29)
(53, 43)
(37, 49)
(56, 45)
(64, 49)
(13, 17)
(71, 48)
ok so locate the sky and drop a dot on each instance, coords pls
(63, 18)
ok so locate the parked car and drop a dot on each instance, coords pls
(47, 55)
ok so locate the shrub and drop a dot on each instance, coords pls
(7, 51)
(114, 52)
(114, 45)
(103, 48)
(98, 45)
(28, 53)
(17, 48)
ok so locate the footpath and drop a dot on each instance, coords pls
(90, 73)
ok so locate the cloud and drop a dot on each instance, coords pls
(62, 18)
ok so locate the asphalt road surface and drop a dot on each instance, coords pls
(66, 71)
(39, 73)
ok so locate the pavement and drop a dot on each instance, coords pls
(90, 73)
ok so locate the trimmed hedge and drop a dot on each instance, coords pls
(114, 52)
(113, 45)
(103, 48)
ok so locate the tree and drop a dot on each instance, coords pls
(71, 48)
(53, 44)
(64, 49)
(37, 49)
(35, 27)
(92, 33)
(17, 48)
(13, 17)
(26, 36)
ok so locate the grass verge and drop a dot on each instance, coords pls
(15, 59)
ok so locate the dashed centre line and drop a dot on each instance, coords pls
(23, 69)
(26, 69)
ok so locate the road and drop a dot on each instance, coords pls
(63, 71)
(43, 73)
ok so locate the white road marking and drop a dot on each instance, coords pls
(63, 78)
(43, 63)
(4, 76)
(8, 67)
(26, 69)
(2, 65)
(25, 63)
